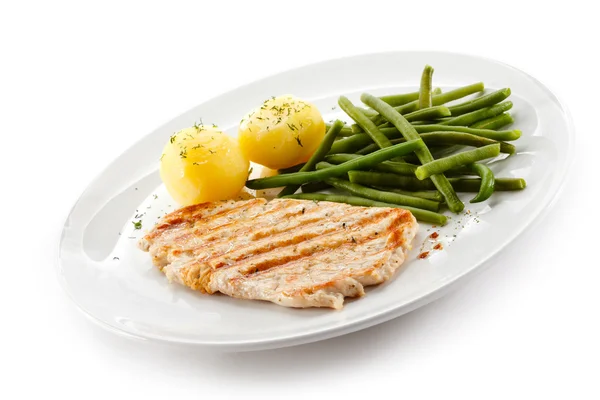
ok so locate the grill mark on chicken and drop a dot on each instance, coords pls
(279, 238)
(188, 216)
(305, 247)
(218, 220)
(251, 227)
(215, 231)
(359, 236)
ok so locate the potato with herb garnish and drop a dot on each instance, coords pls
(284, 131)
(202, 164)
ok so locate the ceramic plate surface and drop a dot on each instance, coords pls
(112, 281)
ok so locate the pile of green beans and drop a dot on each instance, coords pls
(412, 150)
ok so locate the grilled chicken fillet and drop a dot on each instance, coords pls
(295, 253)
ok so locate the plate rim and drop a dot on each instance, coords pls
(378, 316)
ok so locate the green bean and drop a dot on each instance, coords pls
(359, 140)
(345, 131)
(497, 122)
(325, 164)
(356, 129)
(430, 113)
(436, 152)
(344, 134)
(369, 161)
(441, 151)
(403, 109)
(399, 99)
(480, 102)
(500, 184)
(425, 88)
(411, 183)
(385, 197)
(435, 113)
(474, 116)
(486, 133)
(448, 138)
(436, 100)
(314, 187)
(457, 93)
(466, 157)
(424, 194)
(389, 166)
(487, 182)
(289, 170)
(353, 143)
(409, 133)
(430, 122)
(421, 215)
(394, 100)
(369, 112)
(340, 158)
(317, 156)
(397, 167)
(390, 180)
(364, 122)
(402, 168)
(459, 171)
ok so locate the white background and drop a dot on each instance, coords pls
(81, 82)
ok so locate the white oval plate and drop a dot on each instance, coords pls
(114, 282)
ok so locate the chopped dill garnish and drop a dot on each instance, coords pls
(199, 126)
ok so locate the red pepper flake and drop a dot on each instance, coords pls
(434, 235)
(423, 255)
(438, 246)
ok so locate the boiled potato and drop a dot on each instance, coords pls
(284, 131)
(202, 164)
